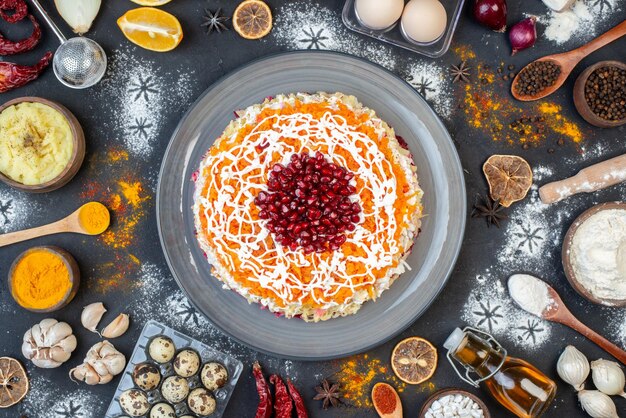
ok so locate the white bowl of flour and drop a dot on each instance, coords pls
(594, 254)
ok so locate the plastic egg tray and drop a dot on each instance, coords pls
(207, 354)
(394, 36)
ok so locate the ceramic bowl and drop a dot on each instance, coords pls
(453, 391)
(581, 103)
(72, 267)
(76, 160)
(565, 254)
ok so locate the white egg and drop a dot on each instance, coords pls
(379, 14)
(424, 21)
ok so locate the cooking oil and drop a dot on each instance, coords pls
(516, 384)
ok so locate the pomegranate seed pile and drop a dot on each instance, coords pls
(307, 204)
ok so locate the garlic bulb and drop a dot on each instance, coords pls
(91, 316)
(608, 377)
(117, 327)
(597, 404)
(79, 14)
(101, 364)
(573, 367)
(49, 343)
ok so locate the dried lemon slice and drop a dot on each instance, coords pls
(252, 19)
(13, 382)
(414, 360)
(509, 178)
(151, 29)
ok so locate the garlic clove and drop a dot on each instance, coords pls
(573, 367)
(91, 316)
(56, 333)
(85, 373)
(59, 355)
(68, 343)
(608, 377)
(117, 327)
(78, 14)
(597, 404)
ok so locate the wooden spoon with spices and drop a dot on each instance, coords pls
(567, 61)
(386, 401)
(92, 218)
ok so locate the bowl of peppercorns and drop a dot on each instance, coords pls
(600, 94)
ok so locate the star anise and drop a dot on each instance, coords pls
(329, 393)
(214, 21)
(460, 72)
(490, 210)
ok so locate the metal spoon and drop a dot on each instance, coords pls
(70, 223)
(78, 62)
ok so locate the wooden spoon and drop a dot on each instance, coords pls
(70, 223)
(568, 60)
(388, 390)
(556, 311)
(590, 179)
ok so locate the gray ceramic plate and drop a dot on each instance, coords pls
(439, 171)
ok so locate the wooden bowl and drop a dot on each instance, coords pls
(565, 253)
(581, 103)
(72, 267)
(76, 160)
(453, 391)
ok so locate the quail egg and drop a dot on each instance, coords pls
(201, 402)
(162, 349)
(187, 363)
(162, 410)
(175, 389)
(146, 376)
(214, 376)
(134, 402)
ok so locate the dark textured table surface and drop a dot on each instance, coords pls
(128, 120)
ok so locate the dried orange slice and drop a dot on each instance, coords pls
(509, 178)
(151, 29)
(151, 2)
(414, 360)
(13, 382)
(252, 19)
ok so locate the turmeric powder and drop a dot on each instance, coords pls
(40, 279)
(94, 217)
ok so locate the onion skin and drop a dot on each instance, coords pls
(491, 13)
(523, 34)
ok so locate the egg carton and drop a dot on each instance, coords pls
(207, 354)
(394, 36)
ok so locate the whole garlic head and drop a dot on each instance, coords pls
(608, 377)
(573, 367)
(49, 343)
(101, 364)
(597, 404)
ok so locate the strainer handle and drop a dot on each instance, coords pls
(49, 21)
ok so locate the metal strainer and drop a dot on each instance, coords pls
(78, 62)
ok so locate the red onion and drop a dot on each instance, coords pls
(491, 13)
(523, 34)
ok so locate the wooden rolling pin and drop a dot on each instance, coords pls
(590, 179)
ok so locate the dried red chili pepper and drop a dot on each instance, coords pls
(297, 400)
(264, 410)
(18, 8)
(8, 47)
(14, 75)
(282, 400)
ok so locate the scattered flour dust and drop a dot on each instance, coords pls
(308, 25)
(617, 327)
(582, 22)
(490, 308)
(176, 311)
(144, 92)
(46, 399)
(15, 210)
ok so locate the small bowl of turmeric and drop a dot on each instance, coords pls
(44, 279)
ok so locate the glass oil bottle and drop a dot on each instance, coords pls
(517, 385)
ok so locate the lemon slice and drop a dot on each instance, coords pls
(151, 29)
(414, 360)
(252, 19)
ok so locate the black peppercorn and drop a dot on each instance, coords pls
(536, 77)
(605, 93)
